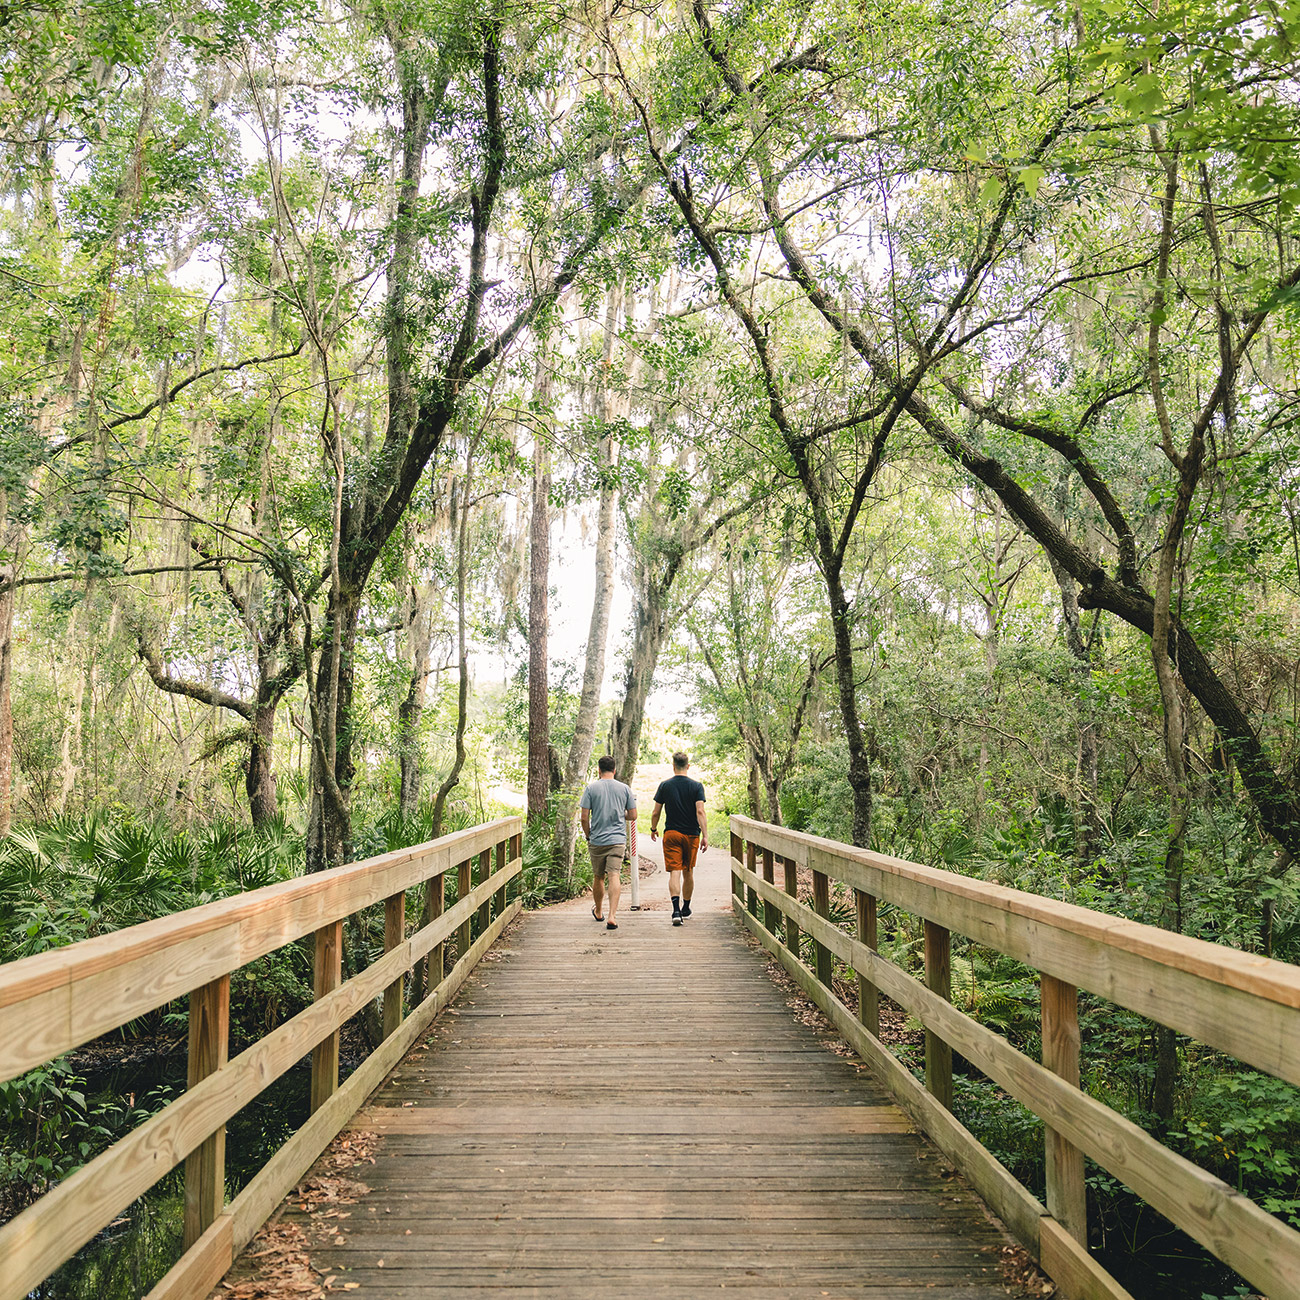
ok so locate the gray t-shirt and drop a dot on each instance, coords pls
(608, 800)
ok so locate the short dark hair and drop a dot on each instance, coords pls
(606, 764)
(681, 760)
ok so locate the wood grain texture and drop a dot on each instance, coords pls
(639, 1112)
(1245, 1005)
(35, 1242)
(209, 1049)
(1263, 1249)
(58, 1000)
(1067, 1199)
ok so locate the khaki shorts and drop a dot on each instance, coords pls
(607, 858)
(680, 850)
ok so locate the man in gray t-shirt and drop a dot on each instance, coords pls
(606, 806)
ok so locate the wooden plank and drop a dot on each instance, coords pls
(200, 1269)
(502, 858)
(790, 872)
(938, 977)
(463, 885)
(34, 1243)
(1243, 1004)
(484, 871)
(394, 934)
(750, 858)
(1067, 1200)
(327, 971)
(868, 997)
(255, 1204)
(55, 1001)
(209, 1049)
(822, 906)
(770, 913)
(1011, 1202)
(1264, 1250)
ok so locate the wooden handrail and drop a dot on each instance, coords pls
(136, 970)
(1247, 1006)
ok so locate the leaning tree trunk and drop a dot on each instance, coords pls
(584, 731)
(452, 779)
(649, 630)
(539, 614)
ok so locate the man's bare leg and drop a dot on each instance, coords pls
(615, 889)
(598, 894)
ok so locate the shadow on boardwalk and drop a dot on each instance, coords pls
(637, 1113)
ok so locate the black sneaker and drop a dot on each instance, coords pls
(686, 910)
(677, 917)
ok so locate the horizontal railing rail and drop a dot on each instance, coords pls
(53, 1003)
(1245, 1006)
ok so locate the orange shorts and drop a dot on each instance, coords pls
(680, 850)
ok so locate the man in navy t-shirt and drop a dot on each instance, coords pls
(686, 832)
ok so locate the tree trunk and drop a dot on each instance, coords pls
(649, 630)
(593, 675)
(452, 779)
(260, 780)
(1087, 813)
(329, 826)
(410, 751)
(539, 614)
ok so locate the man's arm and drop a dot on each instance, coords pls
(704, 825)
(654, 821)
(586, 823)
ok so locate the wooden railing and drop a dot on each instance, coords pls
(54, 1002)
(1245, 1006)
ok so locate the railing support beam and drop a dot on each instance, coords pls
(822, 906)
(209, 1048)
(790, 869)
(327, 970)
(868, 995)
(769, 909)
(1067, 1199)
(938, 977)
(737, 855)
(394, 934)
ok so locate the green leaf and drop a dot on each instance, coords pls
(1029, 177)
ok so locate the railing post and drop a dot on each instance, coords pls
(485, 907)
(751, 894)
(868, 995)
(517, 851)
(209, 1049)
(463, 886)
(1067, 1200)
(770, 912)
(394, 934)
(938, 977)
(503, 856)
(435, 902)
(822, 906)
(790, 869)
(737, 854)
(327, 967)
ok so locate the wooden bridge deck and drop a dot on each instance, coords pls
(639, 1113)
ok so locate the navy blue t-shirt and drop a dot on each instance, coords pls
(679, 795)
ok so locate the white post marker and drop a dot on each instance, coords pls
(636, 867)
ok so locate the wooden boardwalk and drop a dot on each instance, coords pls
(638, 1113)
